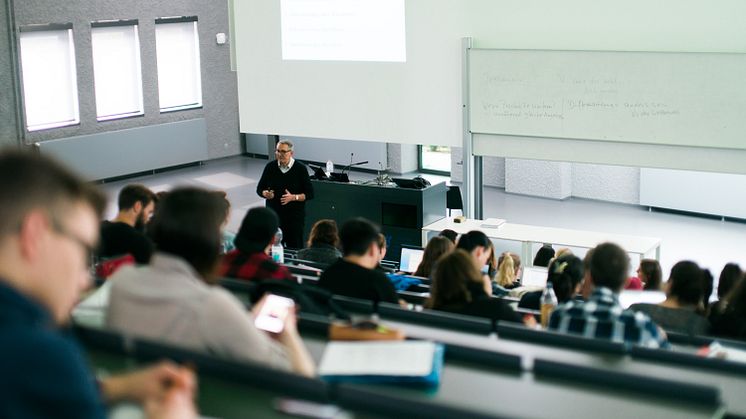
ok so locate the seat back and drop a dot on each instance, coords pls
(453, 199)
(105, 268)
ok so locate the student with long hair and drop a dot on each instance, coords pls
(481, 249)
(650, 275)
(459, 287)
(681, 311)
(544, 255)
(566, 275)
(732, 322)
(730, 276)
(323, 243)
(436, 247)
(508, 270)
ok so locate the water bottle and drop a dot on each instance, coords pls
(548, 303)
(329, 168)
(277, 251)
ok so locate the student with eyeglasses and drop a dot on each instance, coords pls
(48, 230)
(286, 186)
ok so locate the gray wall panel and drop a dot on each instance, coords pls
(117, 153)
(256, 143)
(219, 94)
(8, 128)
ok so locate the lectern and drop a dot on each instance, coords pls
(400, 212)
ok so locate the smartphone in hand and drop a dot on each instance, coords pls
(273, 313)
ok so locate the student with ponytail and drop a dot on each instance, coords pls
(508, 270)
(566, 275)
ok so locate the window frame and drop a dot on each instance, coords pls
(134, 23)
(50, 27)
(198, 63)
(422, 169)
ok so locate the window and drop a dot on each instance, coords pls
(177, 50)
(435, 158)
(50, 87)
(116, 69)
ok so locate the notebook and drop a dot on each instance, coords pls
(419, 362)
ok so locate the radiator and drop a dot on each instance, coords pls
(118, 153)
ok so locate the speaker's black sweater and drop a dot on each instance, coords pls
(296, 181)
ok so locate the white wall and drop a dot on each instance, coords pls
(606, 183)
(589, 181)
(402, 158)
(538, 178)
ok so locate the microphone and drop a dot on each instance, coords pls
(347, 168)
(349, 165)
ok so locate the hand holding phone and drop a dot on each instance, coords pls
(273, 312)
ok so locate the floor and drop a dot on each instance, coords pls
(709, 242)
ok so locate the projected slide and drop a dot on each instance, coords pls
(343, 30)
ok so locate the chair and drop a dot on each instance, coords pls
(106, 268)
(454, 200)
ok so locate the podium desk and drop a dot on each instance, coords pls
(529, 234)
(401, 213)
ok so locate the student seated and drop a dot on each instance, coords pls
(479, 246)
(459, 287)
(731, 323)
(250, 260)
(709, 286)
(449, 234)
(382, 255)
(436, 247)
(323, 243)
(680, 312)
(508, 270)
(49, 226)
(730, 276)
(544, 255)
(633, 283)
(227, 244)
(602, 316)
(173, 300)
(355, 275)
(566, 275)
(125, 234)
(650, 274)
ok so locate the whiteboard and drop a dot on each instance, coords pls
(660, 98)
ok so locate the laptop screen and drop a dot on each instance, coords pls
(629, 297)
(534, 276)
(410, 258)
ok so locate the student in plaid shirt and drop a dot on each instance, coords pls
(251, 260)
(601, 316)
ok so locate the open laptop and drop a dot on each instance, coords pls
(410, 259)
(534, 276)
